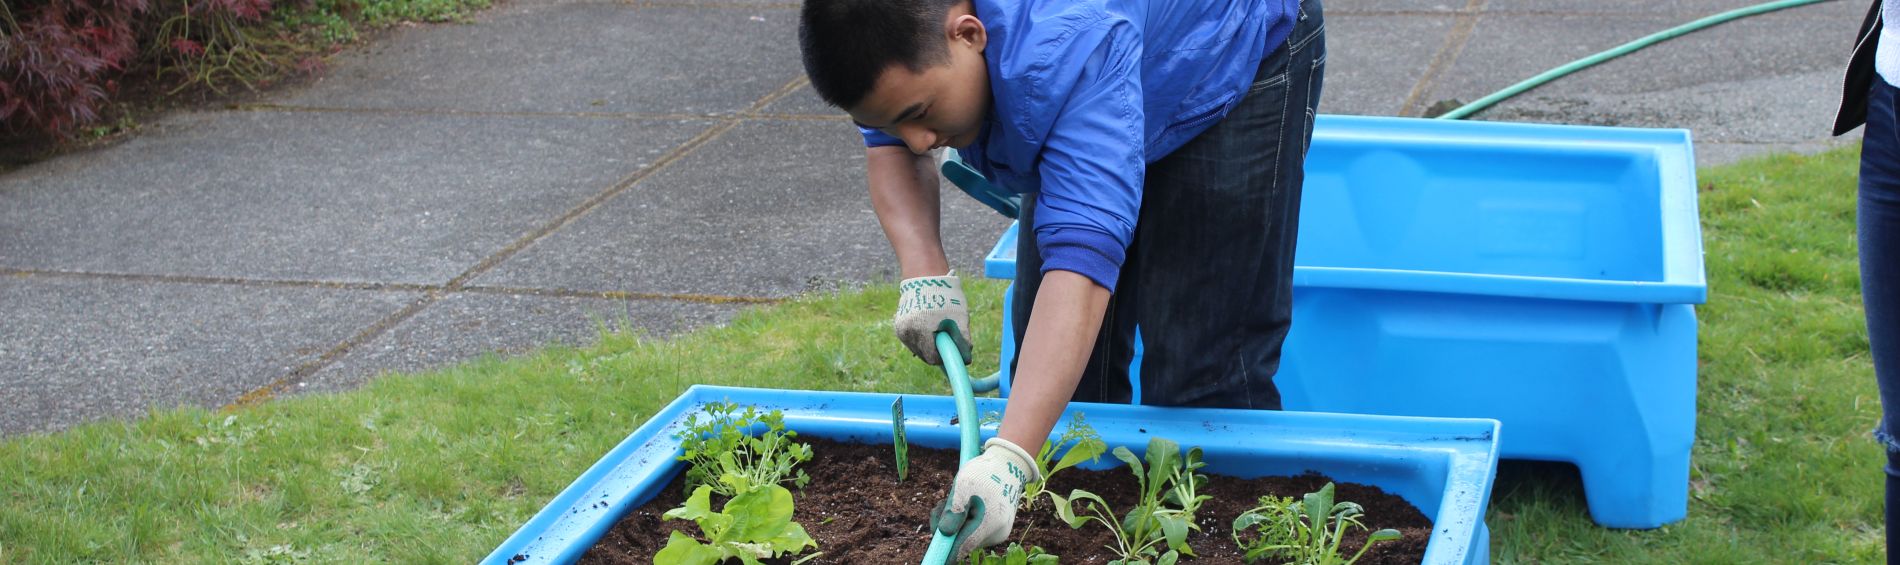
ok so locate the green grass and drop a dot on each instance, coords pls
(1783, 468)
(440, 467)
(339, 21)
(433, 468)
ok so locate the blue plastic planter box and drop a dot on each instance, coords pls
(1443, 466)
(1540, 275)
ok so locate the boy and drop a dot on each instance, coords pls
(1158, 146)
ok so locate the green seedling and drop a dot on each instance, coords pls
(1015, 555)
(1078, 443)
(1162, 516)
(1184, 487)
(1306, 532)
(757, 524)
(721, 445)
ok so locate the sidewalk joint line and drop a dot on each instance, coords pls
(297, 376)
(624, 295)
(621, 295)
(264, 393)
(759, 105)
(590, 204)
(720, 6)
(1447, 54)
(231, 281)
(656, 116)
(800, 117)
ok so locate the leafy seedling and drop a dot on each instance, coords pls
(1015, 555)
(1153, 524)
(721, 445)
(1078, 443)
(1306, 532)
(756, 524)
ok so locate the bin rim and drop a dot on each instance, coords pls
(582, 512)
(1683, 277)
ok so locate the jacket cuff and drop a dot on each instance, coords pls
(1088, 253)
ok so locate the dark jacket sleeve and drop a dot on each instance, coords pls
(1860, 74)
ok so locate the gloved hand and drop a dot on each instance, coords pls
(982, 503)
(926, 305)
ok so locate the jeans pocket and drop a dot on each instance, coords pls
(1278, 79)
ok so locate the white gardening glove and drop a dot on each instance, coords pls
(982, 503)
(927, 305)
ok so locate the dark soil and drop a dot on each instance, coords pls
(860, 514)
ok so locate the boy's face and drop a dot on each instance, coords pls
(942, 106)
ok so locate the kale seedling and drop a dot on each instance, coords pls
(1153, 524)
(720, 445)
(1307, 532)
(1015, 555)
(1079, 442)
(756, 524)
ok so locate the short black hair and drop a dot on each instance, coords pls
(848, 43)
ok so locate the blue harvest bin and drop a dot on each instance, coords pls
(1443, 466)
(1541, 275)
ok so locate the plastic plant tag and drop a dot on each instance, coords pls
(897, 439)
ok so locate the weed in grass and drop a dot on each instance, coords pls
(359, 479)
(274, 555)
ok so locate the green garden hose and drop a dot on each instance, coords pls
(968, 426)
(1654, 38)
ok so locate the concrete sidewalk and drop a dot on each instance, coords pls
(459, 189)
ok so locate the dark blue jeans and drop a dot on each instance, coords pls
(1879, 227)
(1209, 275)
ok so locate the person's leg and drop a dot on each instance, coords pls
(1878, 219)
(1105, 378)
(1219, 218)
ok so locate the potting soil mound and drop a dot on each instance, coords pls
(860, 514)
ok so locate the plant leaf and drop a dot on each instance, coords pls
(759, 514)
(682, 549)
(1387, 534)
(1175, 529)
(1015, 555)
(1065, 507)
(792, 539)
(698, 508)
(1348, 510)
(1163, 456)
(1089, 449)
(1134, 464)
(1247, 520)
(1319, 506)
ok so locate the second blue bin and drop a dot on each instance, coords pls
(1541, 275)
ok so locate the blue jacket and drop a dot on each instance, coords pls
(1085, 93)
